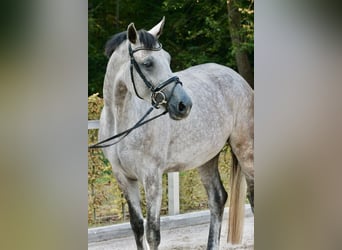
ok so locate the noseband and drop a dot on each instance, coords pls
(158, 97)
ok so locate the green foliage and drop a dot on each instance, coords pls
(103, 191)
(193, 38)
(247, 27)
(95, 105)
(245, 9)
(195, 32)
(192, 192)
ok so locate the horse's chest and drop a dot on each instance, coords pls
(136, 154)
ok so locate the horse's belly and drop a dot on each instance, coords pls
(193, 156)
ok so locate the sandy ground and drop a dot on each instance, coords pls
(184, 238)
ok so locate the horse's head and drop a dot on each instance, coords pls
(149, 73)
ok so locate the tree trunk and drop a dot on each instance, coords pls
(241, 57)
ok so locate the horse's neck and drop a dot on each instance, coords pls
(120, 102)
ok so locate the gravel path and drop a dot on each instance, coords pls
(193, 237)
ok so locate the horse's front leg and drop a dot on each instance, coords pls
(153, 190)
(131, 192)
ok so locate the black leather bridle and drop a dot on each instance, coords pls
(158, 97)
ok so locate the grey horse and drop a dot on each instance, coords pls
(208, 106)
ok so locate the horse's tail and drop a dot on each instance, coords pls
(238, 188)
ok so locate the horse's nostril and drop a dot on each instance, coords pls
(181, 107)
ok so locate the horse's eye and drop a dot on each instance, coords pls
(148, 63)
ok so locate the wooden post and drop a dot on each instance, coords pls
(93, 124)
(173, 193)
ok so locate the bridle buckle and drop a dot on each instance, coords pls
(158, 98)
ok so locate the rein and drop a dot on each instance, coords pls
(157, 98)
(126, 132)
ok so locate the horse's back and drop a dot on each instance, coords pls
(217, 84)
(215, 75)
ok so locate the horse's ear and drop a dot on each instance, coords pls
(157, 30)
(132, 33)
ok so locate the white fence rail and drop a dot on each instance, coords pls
(173, 181)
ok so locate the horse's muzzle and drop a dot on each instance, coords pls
(180, 104)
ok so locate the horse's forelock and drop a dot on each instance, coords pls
(147, 40)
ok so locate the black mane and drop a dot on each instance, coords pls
(147, 39)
